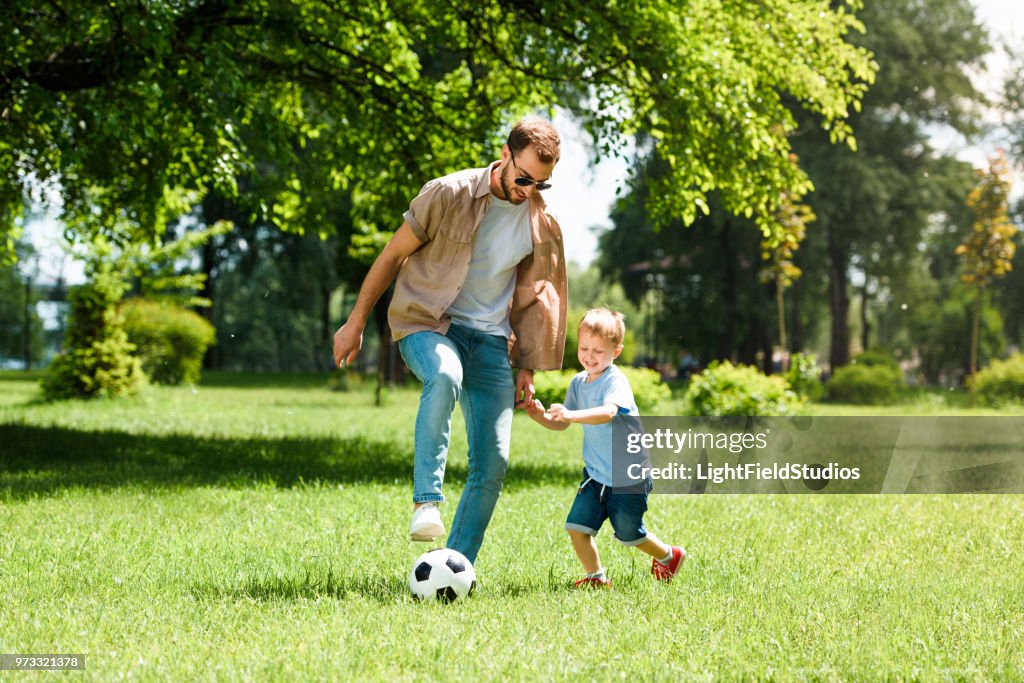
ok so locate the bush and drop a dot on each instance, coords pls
(876, 358)
(648, 389)
(1002, 382)
(170, 340)
(804, 376)
(96, 361)
(867, 384)
(727, 389)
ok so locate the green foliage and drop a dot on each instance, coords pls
(648, 389)
(170, 340)
(97, 360)
(726, 389)
(940, 331)
(876, 358)
(12, 317)
(1002, 382)
(875, 207)
(124, 103)
(550, 387)
(804, 376)
(879, 384)
(988, 249)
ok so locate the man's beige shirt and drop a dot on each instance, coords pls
(445, 217)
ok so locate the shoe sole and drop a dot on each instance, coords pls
(426, 535)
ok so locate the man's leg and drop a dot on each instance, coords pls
(487, 401)
(435, 360)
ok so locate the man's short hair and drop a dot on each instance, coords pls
(539, 133)
(605, 323)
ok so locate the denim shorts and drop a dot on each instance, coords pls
(623, 506)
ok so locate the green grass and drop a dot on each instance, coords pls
(239, 531)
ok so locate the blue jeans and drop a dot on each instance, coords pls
(473, 369)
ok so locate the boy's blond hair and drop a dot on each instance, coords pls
(605, 323)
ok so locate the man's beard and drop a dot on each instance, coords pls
(509, 197)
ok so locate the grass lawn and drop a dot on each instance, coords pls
(246, 530)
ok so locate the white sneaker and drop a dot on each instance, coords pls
(426, 523)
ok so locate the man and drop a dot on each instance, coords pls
(481, 289)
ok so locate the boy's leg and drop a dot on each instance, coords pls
(488, 393)
(586, 550)
(626, 512)
(436, 361)
(654, 547)
(585, 517)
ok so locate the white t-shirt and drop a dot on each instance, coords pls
(501, 242)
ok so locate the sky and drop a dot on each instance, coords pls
(581, 195)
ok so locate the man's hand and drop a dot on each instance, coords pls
(347, 342)
(524, 388)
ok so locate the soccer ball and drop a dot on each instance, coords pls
(442, 574)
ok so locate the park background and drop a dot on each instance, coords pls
(224, 506)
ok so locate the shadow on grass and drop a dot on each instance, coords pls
(42, 461)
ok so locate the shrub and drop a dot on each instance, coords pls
(96, 361)
(727, 389)
(804, 376)
(876, 358)
(1002, 382)
(867, 384)
(170, 340)
(648, 389)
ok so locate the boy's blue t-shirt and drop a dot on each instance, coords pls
(611, 387)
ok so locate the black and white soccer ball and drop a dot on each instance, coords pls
(442, 574)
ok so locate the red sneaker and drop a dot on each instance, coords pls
(593, 582)
(665, 572)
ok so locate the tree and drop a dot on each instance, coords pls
(21, 330)
(96, 361)
(120, 102)
(873, 206)
(989, 248)
(705, 281)
(778, 249)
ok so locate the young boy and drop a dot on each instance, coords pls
(596, 397)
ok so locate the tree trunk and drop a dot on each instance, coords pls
(865, 326)
(384, 356)
(796, 339)
(326, 333)
(27, 331)
(727, 335)
(208, 254)
(780, 305)
(975, 334)
(839, 304)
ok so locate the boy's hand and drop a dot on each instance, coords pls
(559, 413)
(535, 409)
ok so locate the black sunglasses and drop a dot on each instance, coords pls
(526, 182)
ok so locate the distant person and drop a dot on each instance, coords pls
(596, 398)
(481, 289)
(687, 365)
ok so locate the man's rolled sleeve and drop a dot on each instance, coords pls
(426, 211)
